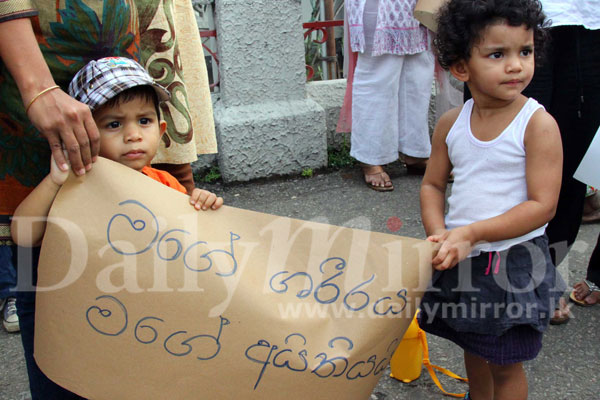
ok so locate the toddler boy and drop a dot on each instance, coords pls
(124, 100)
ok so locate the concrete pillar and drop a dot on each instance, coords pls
(265, 123)
(330, 95)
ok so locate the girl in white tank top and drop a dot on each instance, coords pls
(494, 288)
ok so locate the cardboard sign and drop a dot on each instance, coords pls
(426, 12)
(142, 297)
(588, 170)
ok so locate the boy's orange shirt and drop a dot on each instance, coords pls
(164, 177)
(18, 192)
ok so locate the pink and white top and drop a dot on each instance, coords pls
(397, 31)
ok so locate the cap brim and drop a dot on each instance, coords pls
(162, 93)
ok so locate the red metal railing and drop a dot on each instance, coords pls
(325, 27)
(204, 36)
(321, 26)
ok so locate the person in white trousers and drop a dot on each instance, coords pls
(391, 88)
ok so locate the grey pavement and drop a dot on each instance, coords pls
(567, 367)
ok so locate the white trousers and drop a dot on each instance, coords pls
(390, 104)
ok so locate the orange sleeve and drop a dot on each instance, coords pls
(164, 177)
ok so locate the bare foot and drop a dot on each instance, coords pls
(583, 293)
(562, 313)
(591, 209)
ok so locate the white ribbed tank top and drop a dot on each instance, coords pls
(489, 176)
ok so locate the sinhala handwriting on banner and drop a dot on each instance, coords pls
(140, 225)
(325, 292)
(110, 317)
(204, 347)
(100, 319)
(328, 291)
(265, 353)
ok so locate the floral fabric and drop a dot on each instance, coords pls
(70, 34)
(11, 9)
(397, 31)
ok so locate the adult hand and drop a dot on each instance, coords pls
(60, 119)
(64, 121)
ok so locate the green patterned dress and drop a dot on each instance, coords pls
(70, 33)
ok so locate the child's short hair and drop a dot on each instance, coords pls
(145, 92)
(461, 23)
(108, 79)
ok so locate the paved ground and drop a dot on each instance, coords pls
(567, 367)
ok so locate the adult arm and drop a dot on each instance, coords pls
(61, 119)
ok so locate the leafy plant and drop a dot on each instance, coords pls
(313, 58)
(314, 50)
(340, 158)
(211, 176)
(307, 173)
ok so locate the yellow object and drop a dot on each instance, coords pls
(410, 356)
(407, 362)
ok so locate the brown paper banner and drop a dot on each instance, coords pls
(141, 297)
(426, 12)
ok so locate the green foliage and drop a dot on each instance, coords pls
(338, 159)
(211, 176)
(307, 173)
(313, 58)
(312, 49)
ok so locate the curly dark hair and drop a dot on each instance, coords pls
(461, 23)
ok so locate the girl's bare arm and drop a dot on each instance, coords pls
(433, 187)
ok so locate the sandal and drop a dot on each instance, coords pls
(372, 179)
(591, 289)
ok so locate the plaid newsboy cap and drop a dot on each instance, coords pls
(101, 80)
